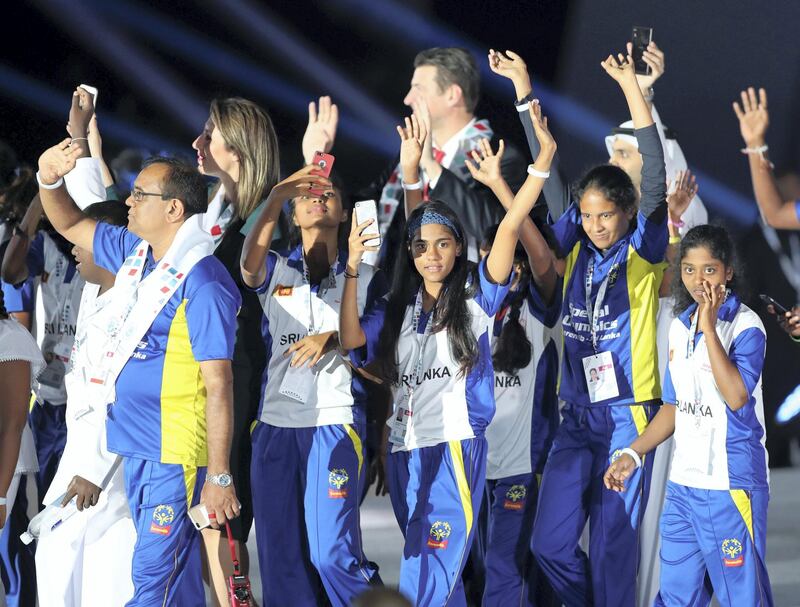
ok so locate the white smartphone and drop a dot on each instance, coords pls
(92, 91)
(199, 517)
(366, 210)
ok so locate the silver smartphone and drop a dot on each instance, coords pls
(199, 517)
(366, 210)
(92, 91)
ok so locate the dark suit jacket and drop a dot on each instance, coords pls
(474, 203)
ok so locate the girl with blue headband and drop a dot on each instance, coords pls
(433, 345)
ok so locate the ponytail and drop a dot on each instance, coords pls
(3, 312)
(513, 350)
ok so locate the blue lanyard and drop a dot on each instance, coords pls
(593, 309)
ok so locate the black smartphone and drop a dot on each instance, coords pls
(642, 36)
(780, 310)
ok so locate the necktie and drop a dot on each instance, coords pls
(438, 155)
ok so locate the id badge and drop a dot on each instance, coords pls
(400, 421)
(53, 375)
(601, 380)
(298, 382)
(63, 350)
(399, 430)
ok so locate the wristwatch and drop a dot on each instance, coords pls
(220, 480)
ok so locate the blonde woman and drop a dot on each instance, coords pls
(239, 147)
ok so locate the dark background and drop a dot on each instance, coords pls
(158, 64)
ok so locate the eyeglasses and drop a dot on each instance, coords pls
(138, 195)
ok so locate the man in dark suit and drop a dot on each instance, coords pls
(444, 91)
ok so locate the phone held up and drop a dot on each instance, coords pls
(324, 164)
(642, 36)
(92, 91)
(366, 210)
(780, 309)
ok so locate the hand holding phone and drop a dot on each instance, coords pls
(780, 310)
(366, 210)
(93, 92)
(199, 516)
(641, 38)
(324, 164)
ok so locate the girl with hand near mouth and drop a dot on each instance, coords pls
(715, 513)
(308, 469)
(433, 344)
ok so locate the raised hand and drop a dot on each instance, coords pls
(682, 191)
(753, 117)
(321, 130)
(57, 161)
(653, 57)
(298, 184)
(80, 113)
(357, 243)
(412, 143)
(423, 114)
(618, 472)
(484, 165)
(511, 66)
(543, 135)
(621, 69)
(95, 141)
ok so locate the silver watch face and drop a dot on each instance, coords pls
(221, 480)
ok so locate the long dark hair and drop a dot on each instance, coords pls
(3, 312)
(720, 245)
(451, 312)
(512, 348)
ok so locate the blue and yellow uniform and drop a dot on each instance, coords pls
(714, 523)
(613, 319)
(158, 422)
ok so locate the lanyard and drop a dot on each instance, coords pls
(692, 334)
(593, 309)
(412, 382)
(323, 289)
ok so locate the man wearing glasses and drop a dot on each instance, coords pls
(166, 368)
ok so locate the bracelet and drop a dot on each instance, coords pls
(49, 186)
(674, 240)
(417, 185)
(634, 456)
(78, 139)
(537, 173)
(760, 151)
(349, 275)
(677, 224)
(3, 502)
(522, 104)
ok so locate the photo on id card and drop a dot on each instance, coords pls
(601, 379)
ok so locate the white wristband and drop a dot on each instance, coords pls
(3, 501)
(635, 456)
(413, 186)
(51, 186)
(536, 173)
